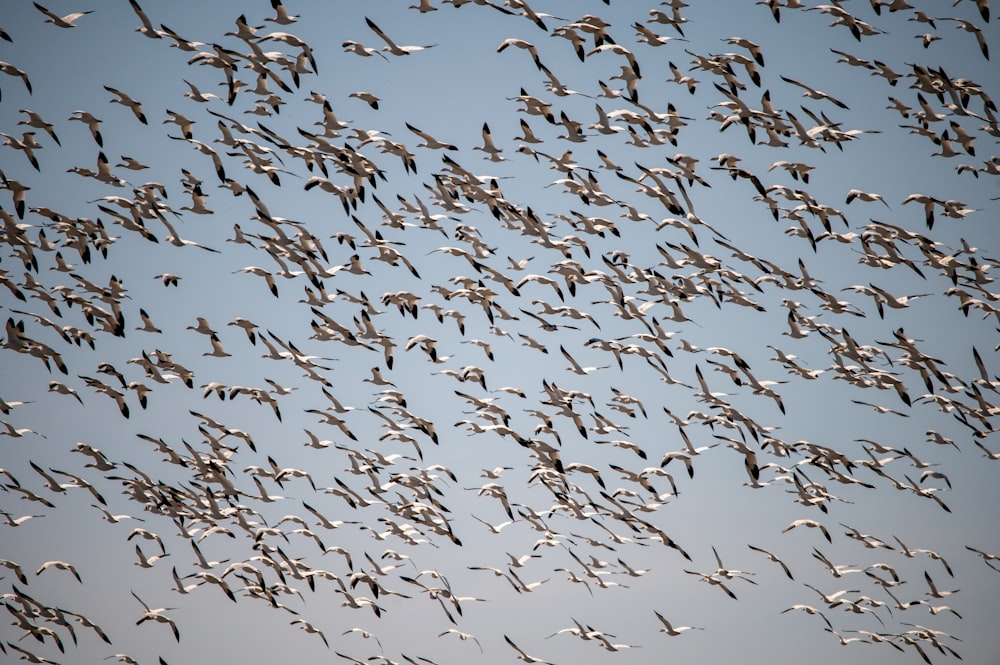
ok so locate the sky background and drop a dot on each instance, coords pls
(450, 90)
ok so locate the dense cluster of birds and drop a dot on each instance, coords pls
(599, 321)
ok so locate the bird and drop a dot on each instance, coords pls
(157, 615)
(60, 565)
(168, 279)
(934, 591)
(671, 630)
(808, 609)
(351, 46)
(864, 196)
(489, 146)
(367, 98)
(391, 46)
(773, 558)
(813, 524)
(93, 124)
(713, 581)
(36, 121)
(462, 636)
(14, 568)
(968, 26)
(67, 21)
(881, 409)
(309, 628)
(281, 15)
(812, 93)
(521, 44)
(147, 562)
(11, 70)
(522, 656)
(26, 144)
(429, 141)
(575, 366)
(658, 228)
(127, 101)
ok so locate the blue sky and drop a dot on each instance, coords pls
(725, 279)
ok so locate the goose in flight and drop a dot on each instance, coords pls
(575, 366)
(671, 630)
(36, 121)
(281, 15)
(714, 581)
(11, 70)
(157, 615)
(125, 100)
(62, 565)
(391, 46)
(813, 93)
(93, 124)
(522, 656)
(309, 628)
(864, 196)
(351, 46)
(773, 558)
(147, 27)
(429, 141)
(493, 153)
(462, 636)
(809, 523)
(522, 44)
(67, 21)
(25, 144)
(808, 609)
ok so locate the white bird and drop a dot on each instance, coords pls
(309, 628)
(147, 562)
(462, 636)
(203, 327)
(11, 70)
(128, 102)
(522, 44)
(157, 615)
(669, 629)
(808, 609)
(351, 46)
(424, 7)
(773, 558)
(93, 124)
(864, 196)
(881, 409)
(493, 153)
(812, 93)
(67, 21)
(281, 15)
(60, 565)
(363, 633)
(195, 94)
(575, 367)
(934, 591)
(391, 46)
(367, 98)
(713, 581)
(429, 141)
(808, 523)
(522, 656)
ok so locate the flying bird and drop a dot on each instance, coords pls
(67, 21)
(391, 46)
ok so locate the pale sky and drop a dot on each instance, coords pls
(506, 345)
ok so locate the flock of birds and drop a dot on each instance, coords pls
(623, 277)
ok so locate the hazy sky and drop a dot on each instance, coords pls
(526, 254)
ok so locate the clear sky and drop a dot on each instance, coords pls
(470, 246)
